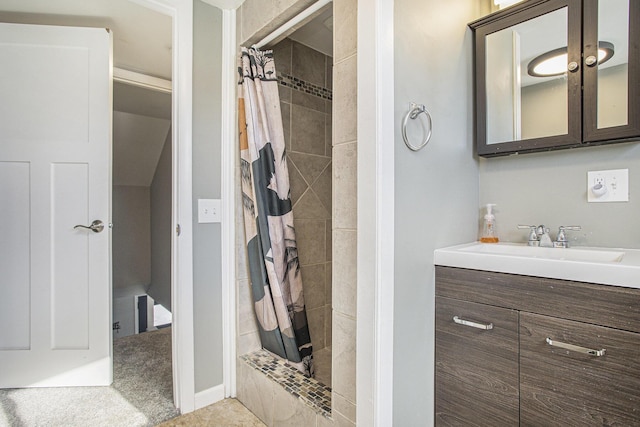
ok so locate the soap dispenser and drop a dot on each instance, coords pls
(489, 234)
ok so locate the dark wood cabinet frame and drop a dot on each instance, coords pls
(582, 102)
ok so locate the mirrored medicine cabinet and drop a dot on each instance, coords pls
(553, 74)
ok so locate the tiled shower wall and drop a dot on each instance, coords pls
(256, 19)
(305, 99)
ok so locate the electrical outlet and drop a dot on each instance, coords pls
(608, 186)
(209, 210)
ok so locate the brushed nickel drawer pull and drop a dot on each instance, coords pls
(460, 321)
(576, 348)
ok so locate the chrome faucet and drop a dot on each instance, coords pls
(561, 240)
(539, 236)
(543, 237)
(533, 235)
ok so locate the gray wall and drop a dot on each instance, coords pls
(207, 289)
(161, 229)
(436, 188)
(551, 189)
(131, 239)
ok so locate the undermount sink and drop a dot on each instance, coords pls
(615, 266)
(568, 254)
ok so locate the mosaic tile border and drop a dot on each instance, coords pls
(309, 390)
(304, 86)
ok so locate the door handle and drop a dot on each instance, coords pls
(96, 226)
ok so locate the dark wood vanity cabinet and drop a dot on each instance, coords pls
(476, 369)
(593, 98)
(510, 374)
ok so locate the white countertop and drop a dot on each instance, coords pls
(608, 266)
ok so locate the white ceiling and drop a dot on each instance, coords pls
(142, 43)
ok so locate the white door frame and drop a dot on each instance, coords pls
(181, 12)
(374, 341)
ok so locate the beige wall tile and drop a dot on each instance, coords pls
(285, 110)
(289, 411)
(248, 343)
(308, 64)
(254, 15)
(345, 28)
(310, 239)
(256, 391)
(308, 101)
(307, 130)
(246, 316)
(297, 184)
(315, 319)
(328, 326)
(343, 376)
(282, 56)
(309, 206)
(344, 272)
(328, 82)
(242, 270)
(309, 165)
(345, 101)
(313, 279)
(343, 407)
(344, 186)
(329, 230)
(322, 188)
(328, 283)
(328, 130)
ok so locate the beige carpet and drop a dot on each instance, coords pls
(141, 393)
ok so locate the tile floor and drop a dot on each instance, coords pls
(227, 413)
(231, 413)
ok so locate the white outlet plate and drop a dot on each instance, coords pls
(615, 186)
(209, 210)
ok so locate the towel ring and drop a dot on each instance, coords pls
(413, 113)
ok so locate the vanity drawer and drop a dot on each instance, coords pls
(573, 388)
(476, 372)
(613, 306)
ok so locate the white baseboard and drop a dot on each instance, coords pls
(209, 396)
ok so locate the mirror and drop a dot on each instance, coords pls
(520, 105)
(554, 74)
(613, 76)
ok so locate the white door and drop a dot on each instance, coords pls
(55, 173)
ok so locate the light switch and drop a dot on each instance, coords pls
(608, 186)
(209, 210)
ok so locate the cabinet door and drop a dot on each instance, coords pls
(476, 374)
(520, 107)
(611, 83)
(562, 386)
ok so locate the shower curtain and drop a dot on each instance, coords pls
(276, 281)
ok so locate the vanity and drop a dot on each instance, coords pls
(537, 336)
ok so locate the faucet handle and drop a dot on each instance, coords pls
(533, 236)
(561, 240)
(522, 227)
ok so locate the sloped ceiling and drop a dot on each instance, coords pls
(141, 43)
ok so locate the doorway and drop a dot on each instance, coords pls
(98, 13)
(141, 208)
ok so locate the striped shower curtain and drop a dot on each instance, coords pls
(276, 281)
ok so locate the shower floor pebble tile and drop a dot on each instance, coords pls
(313, 392)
